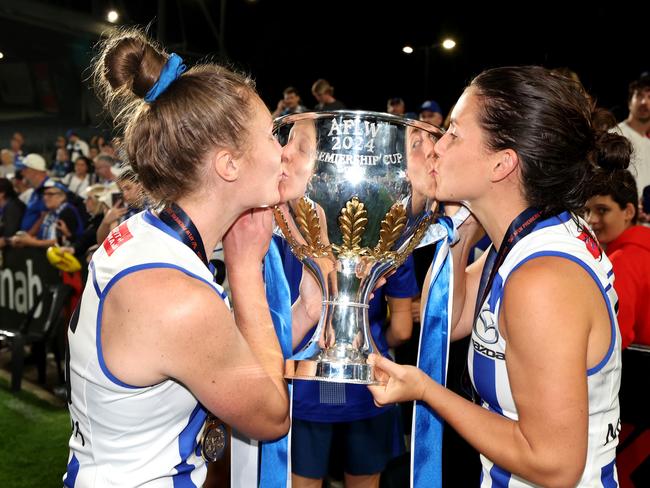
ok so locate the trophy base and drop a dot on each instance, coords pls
(332, 371)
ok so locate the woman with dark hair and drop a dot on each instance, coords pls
(521, 152)
(11, 211)
(81, 178)
(612, 213)
(153, 345)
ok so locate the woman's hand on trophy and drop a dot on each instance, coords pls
(247, 240)
(401, 383)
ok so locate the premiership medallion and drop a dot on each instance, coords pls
(213, 440)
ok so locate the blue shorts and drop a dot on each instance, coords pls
(368, 444)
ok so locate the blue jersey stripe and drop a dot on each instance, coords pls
(607, 475)
(485, 381)
(500, 477)
(187, 444)
(71, 474)
(555, 220)
(94, 275)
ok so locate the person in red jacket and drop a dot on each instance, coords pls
(612, 213)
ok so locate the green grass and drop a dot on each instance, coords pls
(33, 441)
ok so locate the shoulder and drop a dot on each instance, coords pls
(168, 297)
(546, 287)
(547, 273)
(548, 309)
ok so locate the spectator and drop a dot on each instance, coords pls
(290, 103)
(430, 112)
(59, 143)
(97, 200)
(93, 152)
(34, 172)
(612, 214)
(7, 163)
(16, 144)
(637, 129)
(396, 106)
(76, 146)
(11, 211)
(127, 199)
(324, 93)
(62, 165)
(81, 178)
(105, 169)
(59, 211)
(23, 190)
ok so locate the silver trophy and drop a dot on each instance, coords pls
(356, 211)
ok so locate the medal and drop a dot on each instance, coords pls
(213, 440)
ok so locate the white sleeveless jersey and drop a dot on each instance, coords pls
(557, 236)
(124, 435)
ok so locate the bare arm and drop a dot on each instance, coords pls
(401, 321)
(160, 324)
(245, 245)
(108, 223)
(546, 361)
(177, 327)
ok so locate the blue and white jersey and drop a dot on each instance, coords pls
(124, 435)
(557, 236)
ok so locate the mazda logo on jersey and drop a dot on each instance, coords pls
(485, 326)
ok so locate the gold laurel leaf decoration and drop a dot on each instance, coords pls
(307, 221)
(352, 223)
(316, 250)
(281, 221)
(391, 228)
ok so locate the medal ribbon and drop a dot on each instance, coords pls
(426, 441)
(176, 218)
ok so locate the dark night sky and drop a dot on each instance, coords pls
(357, 44)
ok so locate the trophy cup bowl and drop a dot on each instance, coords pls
(353, 218)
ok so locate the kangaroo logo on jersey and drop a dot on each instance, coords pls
(118, 236)
(485, 326)
(591, 244)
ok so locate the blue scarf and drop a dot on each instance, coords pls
(275, 466)
(426, 441)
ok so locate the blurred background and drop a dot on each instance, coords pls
(46, 47)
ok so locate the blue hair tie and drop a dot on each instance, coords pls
(173, 68)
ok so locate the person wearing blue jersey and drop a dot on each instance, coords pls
(154, 350)
(522, 150)
(328, 416)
